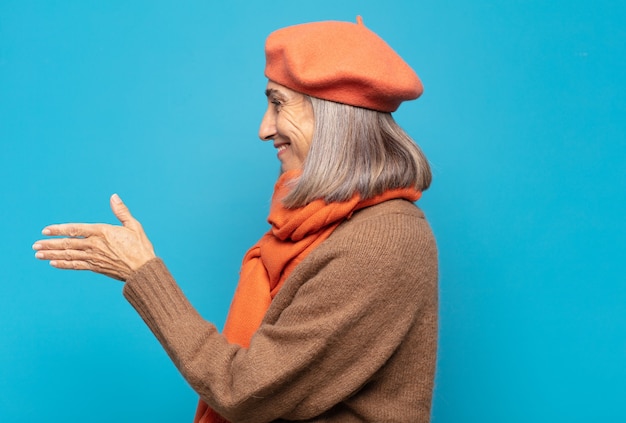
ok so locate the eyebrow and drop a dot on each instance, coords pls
(275, 92)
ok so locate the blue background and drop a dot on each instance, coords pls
(523, 120)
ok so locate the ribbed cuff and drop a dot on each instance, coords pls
(153, 292)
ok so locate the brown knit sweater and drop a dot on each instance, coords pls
(351, 336)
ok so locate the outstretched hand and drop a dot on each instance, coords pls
(115, 251)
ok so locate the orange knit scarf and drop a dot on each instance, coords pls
(266, 266)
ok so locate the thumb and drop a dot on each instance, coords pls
(121, 211)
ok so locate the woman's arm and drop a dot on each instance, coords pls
(337, 321)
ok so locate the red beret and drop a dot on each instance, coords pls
(342, 62)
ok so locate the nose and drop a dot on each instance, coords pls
(267, 130)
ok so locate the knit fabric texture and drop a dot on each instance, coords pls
(266, 266)
(342, 62)
(351, 336)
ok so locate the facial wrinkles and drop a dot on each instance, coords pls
(290, 115)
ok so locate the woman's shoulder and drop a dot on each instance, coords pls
(388, 240)
(388, 217)
(397, 226)
(389, 208)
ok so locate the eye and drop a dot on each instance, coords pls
(277, 103)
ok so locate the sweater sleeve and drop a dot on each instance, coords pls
(342, 314)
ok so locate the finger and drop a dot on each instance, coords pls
(63, 244)
(85, 265)
(121, 211)
(71, 264)
(72, 229)
(65, 255)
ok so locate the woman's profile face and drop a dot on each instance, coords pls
(289, 122)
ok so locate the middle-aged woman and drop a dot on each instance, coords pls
(335, 315)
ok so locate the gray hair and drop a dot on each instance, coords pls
(357, 150)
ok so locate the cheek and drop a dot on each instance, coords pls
(298, 126)
(288, 126)
(305, 137)
(309, 130)
(308, 127)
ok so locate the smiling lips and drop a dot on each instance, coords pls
(281, 147)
